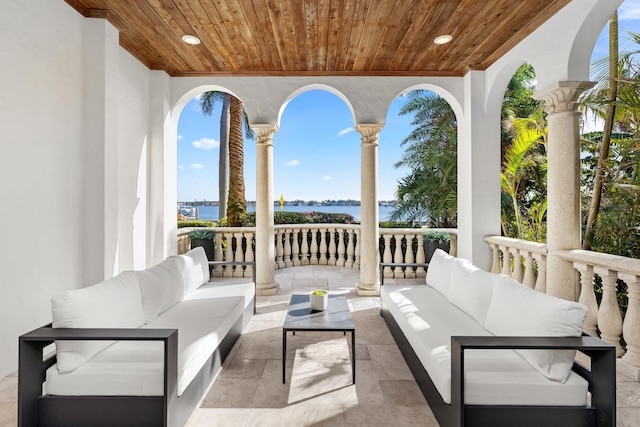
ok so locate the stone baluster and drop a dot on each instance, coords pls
(420, 257)
(305, 246)
(588, 297)
(356, 251)
(217, 270)
(238, 271)
(314, 247)
(350, 249)
(506, 260)
(609, 317)
(342, 249)
(495, 264)
(397, 256)
(409, 272)
(517, 265)
(279, 249)
(541, 280)
(249, 255)
(229, 255)
(295, 247)
(333, 245)
(529, 273)
(631, 327)
(287, 248)
(323, 246)
(388, 272)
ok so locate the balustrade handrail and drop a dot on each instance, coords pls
(534, 247)
(611, 262)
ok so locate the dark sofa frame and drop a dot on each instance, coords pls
(168, 410)
(601, 378)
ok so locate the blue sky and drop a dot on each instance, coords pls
(316, 159)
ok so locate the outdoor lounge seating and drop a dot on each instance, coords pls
(485, 325)
(138, 349)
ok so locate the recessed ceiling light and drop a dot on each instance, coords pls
(443, 39)
(190, 39)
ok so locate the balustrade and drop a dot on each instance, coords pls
(315, 244)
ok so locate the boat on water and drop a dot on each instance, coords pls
(187, 212)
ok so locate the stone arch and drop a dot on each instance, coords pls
(316, 86)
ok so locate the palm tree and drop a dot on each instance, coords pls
(612, 95)
(233, 119)
(207, 102)
(429, 191)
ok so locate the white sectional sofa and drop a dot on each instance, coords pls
(139, 349)
(487, 326)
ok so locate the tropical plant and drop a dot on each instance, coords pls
(523, 181)
(612, 94)
(233, 119)
(207, 102)
(202, 235)
(428, 194)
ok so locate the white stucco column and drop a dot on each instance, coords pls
(100, 89)
(265, 249)
(478, 171)
(563, 183)
(369, 280)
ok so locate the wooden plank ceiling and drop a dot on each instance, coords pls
(320, 37)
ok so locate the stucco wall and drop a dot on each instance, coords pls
(65, 225)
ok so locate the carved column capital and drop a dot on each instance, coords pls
(369, 132)
(562, 96)
(264, 132)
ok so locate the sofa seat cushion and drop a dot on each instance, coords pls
(428, 321)
(130, 368)
(223, 290)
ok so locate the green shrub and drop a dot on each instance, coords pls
(283, 217)
(436, 236)
(202, 235)
(196, 223)
(395, 224)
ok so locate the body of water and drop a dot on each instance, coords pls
(384, 212)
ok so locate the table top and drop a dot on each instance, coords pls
(336, 317)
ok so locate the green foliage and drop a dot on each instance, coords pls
(395, 224)
(196, 223)
(283, 217)
(436, 236)
(202, 235)
(428, 194)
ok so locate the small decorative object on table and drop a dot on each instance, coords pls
(319, 300)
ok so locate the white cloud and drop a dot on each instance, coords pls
(630, 9)
(180, 167)
(180, 137)
(292, 163)
(345, 131)
(206, 144)
(196, 166)
(326, 178)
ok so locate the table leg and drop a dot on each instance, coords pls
(353, 353)
(284, 355)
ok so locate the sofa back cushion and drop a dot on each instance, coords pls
(471, 289)
(114, 303)
(161, 287)
(195, 269)
(517, 310)
(439, 271)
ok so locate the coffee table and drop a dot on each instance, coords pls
(336, 317)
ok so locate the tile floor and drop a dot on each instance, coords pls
(248, 391)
